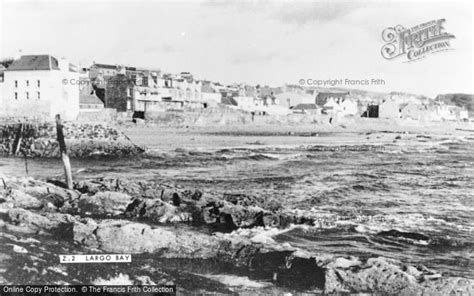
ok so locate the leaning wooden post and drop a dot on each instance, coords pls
(62, 148)
(19, 135)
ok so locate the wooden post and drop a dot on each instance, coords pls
(26, 162)
(18, 138)
(62, 148)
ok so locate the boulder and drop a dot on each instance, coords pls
(386, 276)
(101, 203)
(52, 223)
(120, 236)
(20, 199)
(83, 232)
(448, 286)
(156, 211)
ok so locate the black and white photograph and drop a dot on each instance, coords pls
(255, 147)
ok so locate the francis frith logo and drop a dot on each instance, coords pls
(416, 42)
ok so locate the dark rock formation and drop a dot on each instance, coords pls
(407, 235)
(82, 140)
(31, 207)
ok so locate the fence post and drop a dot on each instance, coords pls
(62, 148)
(19, 135)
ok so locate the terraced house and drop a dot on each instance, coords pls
(38, 86)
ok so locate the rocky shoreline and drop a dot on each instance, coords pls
(38, 140)
(174, 224)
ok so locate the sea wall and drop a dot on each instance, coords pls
(38, 139)
(227, 116)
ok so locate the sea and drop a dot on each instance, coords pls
(411, 201)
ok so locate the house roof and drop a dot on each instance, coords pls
(73, 68)
(323, 97)
(91, 99)
(277, 90)
(348, 101)
(333, 94)
(35, 63)
(229, 101)
(305, 107)
(105, 66)
(265, 91)
(207, 88)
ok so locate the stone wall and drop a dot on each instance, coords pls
(227, 116)
(82, 140)
(104, 115)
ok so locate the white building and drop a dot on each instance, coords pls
(246, 103)
(463, 114)
(209, 94)
(349, 107)
(40, 86)
(390, 108)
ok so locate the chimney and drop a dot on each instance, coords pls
(63, 64)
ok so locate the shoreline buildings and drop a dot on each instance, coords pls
(41, 86)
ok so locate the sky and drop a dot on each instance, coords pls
(255, 42)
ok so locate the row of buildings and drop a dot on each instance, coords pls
(43, 85)
(399, 107)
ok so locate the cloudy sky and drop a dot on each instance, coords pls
(258, 42)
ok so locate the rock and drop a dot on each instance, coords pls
(176, 200)
(128, 237)
(344, 263)
(19, 249)
(47, 192)
(404, 235)
(87, 186)
(227, 217)
(84, 232)
(243, 199)
(101, 203)
(156, 211)
(144, 280)
(35, 221)
(53, 223)
(449, 286)
(378, 275)
(40, 140)
(21, 199)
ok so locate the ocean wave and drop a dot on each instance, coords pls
(237, 281)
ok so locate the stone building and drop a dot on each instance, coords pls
(119, 93)
(40, 86)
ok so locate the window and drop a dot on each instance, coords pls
(38, 94)
(38, 83)
(16, 83)
(16, 96)
(27, 83)
(27, 95)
